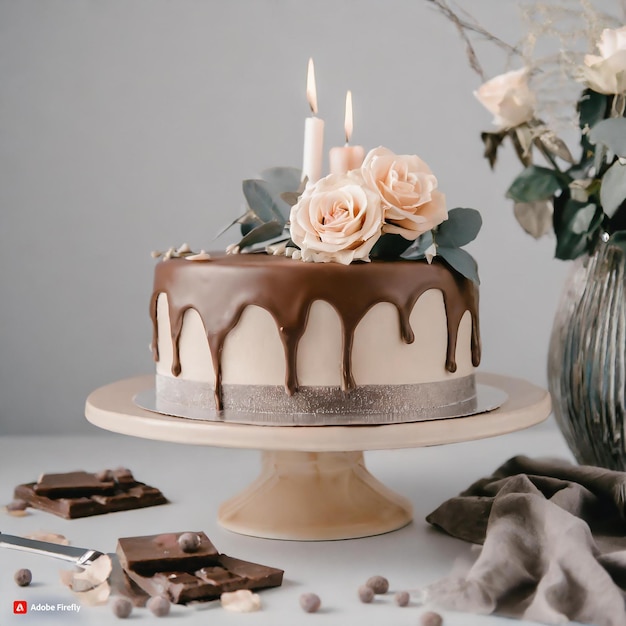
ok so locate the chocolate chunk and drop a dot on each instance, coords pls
(71, 485)
(158, 565)
(162, 553)
(87, 495)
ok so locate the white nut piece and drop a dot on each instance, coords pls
(241, 601)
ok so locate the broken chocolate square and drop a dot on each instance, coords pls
(81, 494)
(72, 485)
(183, 577)
(158, 553)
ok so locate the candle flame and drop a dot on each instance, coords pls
(311, 91)
(348, 124)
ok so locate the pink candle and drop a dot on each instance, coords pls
(346, 158)
(313, 133)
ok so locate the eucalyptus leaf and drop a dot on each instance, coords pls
(460, 260)
(264, 232)
(582, 220)
(610, 133)
(390, 246)
(280, 181)
(555, 145)
(260, 200)
(619, 239)
(534, 217)
(534, 183)
(570, 243)
(290, 197)
(418, 247)
(592, 108)
(613, 188)
(459, 229)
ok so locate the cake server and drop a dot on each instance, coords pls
(79, 556)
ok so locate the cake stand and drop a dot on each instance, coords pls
(313, 483)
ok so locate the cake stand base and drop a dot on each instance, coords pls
(313, 483)
(315, 496)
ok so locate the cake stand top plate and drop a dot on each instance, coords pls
(112, 407)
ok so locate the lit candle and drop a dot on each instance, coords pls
(346, 158)
(313, 133)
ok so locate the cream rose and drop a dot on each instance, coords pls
(606, 73)
(509, 98)
(408, 192)
(336, 219)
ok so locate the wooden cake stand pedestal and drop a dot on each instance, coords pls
(313, 483)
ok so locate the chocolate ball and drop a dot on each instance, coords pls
(189, 542)
(23, 577)
(159, 606)
(402, 598)
(310, 602)
(378, 584)
(366, 594)
(430, 618)
(121, 607)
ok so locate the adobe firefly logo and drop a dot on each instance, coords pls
(20, 607)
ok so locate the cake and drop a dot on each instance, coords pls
(368, 314)
(258, 334)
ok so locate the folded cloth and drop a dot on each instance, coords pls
(553, 541)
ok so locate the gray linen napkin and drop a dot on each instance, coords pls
(553, 541)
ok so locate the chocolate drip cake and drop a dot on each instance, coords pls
(275, 340)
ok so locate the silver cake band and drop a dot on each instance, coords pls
(270, 404)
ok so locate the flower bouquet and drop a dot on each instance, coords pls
(582, 198)
(389, 208)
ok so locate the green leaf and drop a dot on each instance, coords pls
(418, 247)
(460, 260)
(459, 229)
(390, 246)
(283, 180)
(582, 219)
(260, 200)
(569, 217)
(619, 239)
(591, 108)
(613, 188)
(264, 232)
(533, 184)
(610, 133)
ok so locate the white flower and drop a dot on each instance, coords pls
(606, 73)
(509, 98)
(408, 192)
(336, 219)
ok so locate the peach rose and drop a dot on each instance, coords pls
(408, 192)
(509, 98)
(336, 219)
(606, 73)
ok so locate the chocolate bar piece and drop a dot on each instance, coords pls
(208, 583)
(72, 485)
(158, 553)
(87, 497)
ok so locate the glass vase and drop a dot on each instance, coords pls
(586, 363)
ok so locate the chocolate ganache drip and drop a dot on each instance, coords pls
(221, 288)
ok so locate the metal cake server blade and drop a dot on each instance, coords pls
(82, 557)
(119, 583)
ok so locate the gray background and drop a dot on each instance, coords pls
(128, 125)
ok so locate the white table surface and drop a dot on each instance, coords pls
(197, 479)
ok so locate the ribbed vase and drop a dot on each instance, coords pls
(586, 364)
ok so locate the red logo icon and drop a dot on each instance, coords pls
(20, 607)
